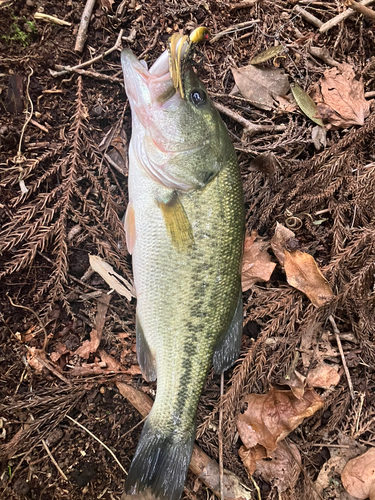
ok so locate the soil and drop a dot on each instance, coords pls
(73, 160)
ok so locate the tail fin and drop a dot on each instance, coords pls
(160, 463)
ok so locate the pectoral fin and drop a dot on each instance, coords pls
(177, 224)
(130, 227)
(145, 357)
(228, 349)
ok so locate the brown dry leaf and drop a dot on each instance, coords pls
(112, 363)
(341, 98)
(348, 449)
(249, 457)
(282, 467)
(303, 273)
(256, 264)
(91, 345)
(301, 269)
(60, 350)
(297, 382)
(323, 376)
(270, 417)
(31, 356)
(281, 240)
(260, 85)
(286, 104)
(358, 476)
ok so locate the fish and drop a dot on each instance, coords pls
(184, 226)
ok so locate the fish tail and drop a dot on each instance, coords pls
(160, 464)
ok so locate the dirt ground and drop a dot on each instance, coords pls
(64, 343)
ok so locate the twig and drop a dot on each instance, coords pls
(220, 436)
(321, 445)
(323, 54)
(233, 29)
(98, 440)
(37, 318)
(19, 154)
(308, 17)
(53, 460)
(243, 5)
(250, 128)
(344, 15)
(68, 69)
(256, 487)
(84, 25)
(206, 469)
(48, 365)
(339, 345)
(360, 8)
(85, 72)
(42, 127)
(51, 19)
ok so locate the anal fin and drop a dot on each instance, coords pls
(228, 349)
(145, 357)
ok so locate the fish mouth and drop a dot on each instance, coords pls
(147, 86)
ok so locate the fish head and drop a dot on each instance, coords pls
(180, 140)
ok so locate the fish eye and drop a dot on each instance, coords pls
(197, 97)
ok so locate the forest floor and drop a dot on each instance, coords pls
(65, 343)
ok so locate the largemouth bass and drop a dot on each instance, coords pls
(185, 228)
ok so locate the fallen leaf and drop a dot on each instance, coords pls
(358, 476)
(256, 264)
(112, 278)
(260, 85)
(267, 54)
(297, 382)
(323, 376)
(112, 363)
(282, 240)
(92, 345)
(303, 273)
(286, 104)
(319, 138)
(249, 457)
(301, 269)
(306, 104)
(341, 98)
(270, 417)
(60, 350)
(348, 448)
(32, 360)
(89, 346)
(282, 467)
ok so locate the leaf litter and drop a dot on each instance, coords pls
(71, 185)
(260, 86)
(340, 98)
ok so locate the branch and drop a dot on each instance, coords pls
(308, 17)
(84, 25)
(250, 128)
(336, 20)
(360, 8)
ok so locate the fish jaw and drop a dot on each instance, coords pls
(148, 90)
